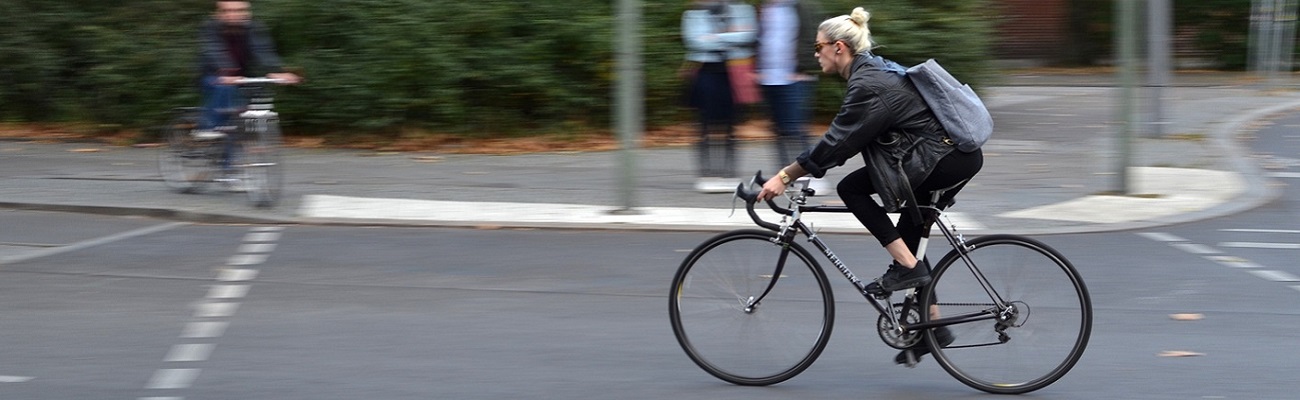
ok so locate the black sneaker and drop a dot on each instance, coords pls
(912, 355)
(899, 277)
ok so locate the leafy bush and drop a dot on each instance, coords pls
(485, 67)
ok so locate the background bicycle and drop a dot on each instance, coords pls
(754, 307)
(192, 159)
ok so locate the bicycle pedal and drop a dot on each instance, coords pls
(910, 359)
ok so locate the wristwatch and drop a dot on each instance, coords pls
(785, 178)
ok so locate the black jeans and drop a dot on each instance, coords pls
(856, 190)
(711, 95)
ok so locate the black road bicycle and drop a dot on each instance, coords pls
(754, 307)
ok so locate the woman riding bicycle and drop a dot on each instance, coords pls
(882, 113)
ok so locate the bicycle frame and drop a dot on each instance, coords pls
(792, 225)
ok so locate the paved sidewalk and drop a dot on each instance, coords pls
(1052, 157)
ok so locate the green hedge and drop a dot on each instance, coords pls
(485, 67)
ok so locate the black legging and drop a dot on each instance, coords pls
(856, 190)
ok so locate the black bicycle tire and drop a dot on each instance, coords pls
(823, 283)
(1081, 290)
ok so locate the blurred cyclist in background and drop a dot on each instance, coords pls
(232, 46)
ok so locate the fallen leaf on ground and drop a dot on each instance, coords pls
(1187, 317)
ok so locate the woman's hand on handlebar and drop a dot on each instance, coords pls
(772, 188)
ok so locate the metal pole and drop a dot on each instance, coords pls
(1274, 41)
(1126, 59)
(629, 105)
(1158, 62)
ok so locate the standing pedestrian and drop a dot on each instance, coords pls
(715, 31)
(787, 71)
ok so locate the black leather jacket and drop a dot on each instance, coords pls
(884, 118)
(215, 59)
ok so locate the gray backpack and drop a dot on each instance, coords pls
(958, 108)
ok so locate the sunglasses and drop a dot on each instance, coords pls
(817, 46)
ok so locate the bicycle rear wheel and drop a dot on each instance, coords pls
(186, 164)
(761, 345)
(263, 171)
(1042, 336)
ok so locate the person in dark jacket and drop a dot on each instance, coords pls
(232, 46)
(882, 112)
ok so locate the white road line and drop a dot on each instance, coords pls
(227, 291)
(1261, 230)
(197, 330)
(1285, 175)
(267, 229)
(1275, 276)
(213, 310)
(189, 352)
(261, 237)
(236, 275)
(90, 243)
(14, 379)
(179, 378)
(243, 260)
(1162, 237)
(256, 248)
(1261, 245)
(1234, 262)
(1195, 248)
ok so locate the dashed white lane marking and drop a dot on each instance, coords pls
(1275, 276)
(261, 237)
(205, 329)
(257, 248)
(236, 275)
(215, 310)
(1234, 262)
(176, 378)
(227, 291)
(258, 243)
(14, 379)
(1162, 237)
(1285, 175)
(1261, 245)
(189, 352)
(242, 260)
(1261, 230)
(1195, 248)
(1213, 254)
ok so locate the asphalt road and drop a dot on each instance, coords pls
(96, 307)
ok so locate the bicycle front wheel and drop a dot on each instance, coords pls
(263, 171)
(716, 321)
(1037, 340)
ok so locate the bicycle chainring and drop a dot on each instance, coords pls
(891, 336)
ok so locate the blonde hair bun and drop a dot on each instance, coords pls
(860, 16)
